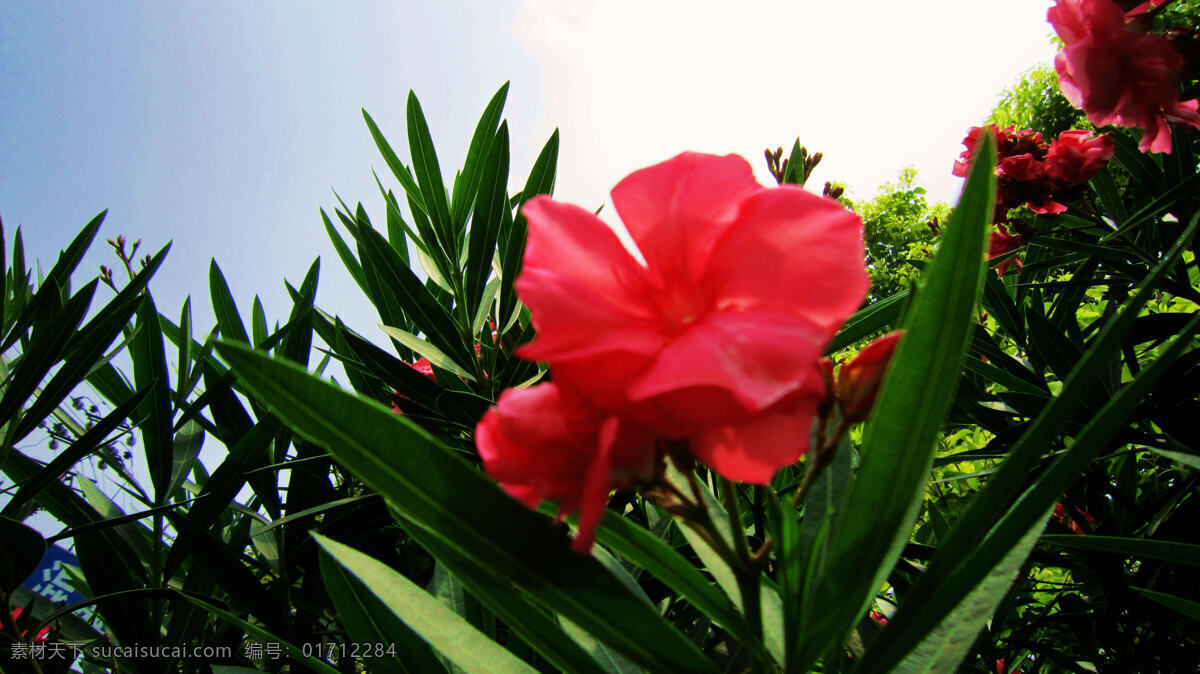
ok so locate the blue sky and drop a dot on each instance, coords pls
(224, 126)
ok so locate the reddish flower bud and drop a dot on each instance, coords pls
(859, 380)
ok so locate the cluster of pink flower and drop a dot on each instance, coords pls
(1118, 75)
(1032, 172)
(1039, 174)
(710, 343)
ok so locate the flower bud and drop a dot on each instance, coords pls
(858, 383)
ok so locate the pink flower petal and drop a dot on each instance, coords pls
(586, 293)
(794, 251)
(674, 210)
(753, 451)
(733, 364)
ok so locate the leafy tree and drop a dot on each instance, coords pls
(901, 231)
(1035, 102)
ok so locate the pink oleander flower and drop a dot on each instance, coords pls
(542, 443)
(1022, 179)
(1075, 158)
(1009, 143)
(1001, 242)
(423, 366)
(715, 337)
(1118, 76)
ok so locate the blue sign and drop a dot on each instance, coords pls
(53, 583)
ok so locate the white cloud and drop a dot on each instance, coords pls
(874, 85)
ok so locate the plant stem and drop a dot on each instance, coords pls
(822, 458)
(749, 577)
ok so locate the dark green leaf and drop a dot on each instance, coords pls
(532, 624)
(429, 177)
(438, 492)
(1140, 548)
(490, 206)
(229, 321)
(83, 446)
(899, 439)
(150, 372)
(442, 628)
(473, 168)
(368, 620)
(19, 556)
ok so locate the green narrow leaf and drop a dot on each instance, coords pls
(1186, 459)
(1187, 607)
(428, 316)
(1141, 548)
(258, 322)
(481, 140)
(346, 255)
(899, 440)
(426, 350)
(150, 372)
(56, 282)
(429, 177)
(368, 620)
(485, 223)
(868, 320)
(229, 321)
(398, 231)
(442, 628)
(771, 605)
(185, 450)
(532, 624)
(262, 635)
(1004, 487)
(398, 169)
(45, 348)
(660, 560)
(513, 233)
(83, 446)
(437, 491)
(946, 645)
(184, 352)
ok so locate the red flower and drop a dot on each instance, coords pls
(42, 634)
(541, 443)
(963, 163)
(1022, 179)
(1075, 158)
(715, 337)
(859, 381)
(1004, 242)
(421, 365)
(1118, 76)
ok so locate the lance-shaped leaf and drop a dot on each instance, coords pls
(467, 186)
(900, 439)
(485, 223)
(429, 176)
(444, 629)
(437, 491)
